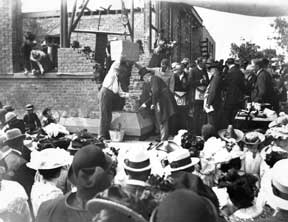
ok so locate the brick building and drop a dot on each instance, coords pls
(77, 94)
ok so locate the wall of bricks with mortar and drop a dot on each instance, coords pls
(72, 97)
(6, 62)
(74, 61)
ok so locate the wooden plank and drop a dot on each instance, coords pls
(99, 32)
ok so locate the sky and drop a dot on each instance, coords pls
(225, 28)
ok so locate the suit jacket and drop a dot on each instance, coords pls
(196, 76)
(183, 84)
(235, 87)
(32, 122)
(263, 91)
(214, 91)
(161, 96)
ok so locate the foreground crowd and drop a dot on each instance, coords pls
(48, 174)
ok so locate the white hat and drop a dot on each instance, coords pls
(137, 160)
(279, 184)
(9, 116)
(48, 159)
(180, 160)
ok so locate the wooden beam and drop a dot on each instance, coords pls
(101, 32)
(72, 19)
(75, 23)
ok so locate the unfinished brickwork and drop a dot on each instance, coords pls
(74, 61)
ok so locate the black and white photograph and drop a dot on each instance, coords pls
(143, 111)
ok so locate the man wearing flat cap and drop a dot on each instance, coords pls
(31, 120)
(91, 172)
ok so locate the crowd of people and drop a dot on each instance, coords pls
(208, 171)
(224, 175)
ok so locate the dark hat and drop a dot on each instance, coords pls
(185, 180)
(8, 108)
(13, 135)
(212, 64)
(230, 61)
(87, 157)
(29, 107)
(185, 206)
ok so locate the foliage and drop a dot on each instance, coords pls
(280, 26)
(246, 51)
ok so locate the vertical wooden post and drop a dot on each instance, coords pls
(132, 20)
(64, 25)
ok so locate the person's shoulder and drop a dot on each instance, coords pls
(51, 208)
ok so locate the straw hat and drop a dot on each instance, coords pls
(253, 138)
(48, 159)
(29, 107)
(279, 184)
(10, 116)
(12, 135)
(137, 160)
(230, 132)
(180, 160)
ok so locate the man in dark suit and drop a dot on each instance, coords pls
(198, 83)
(234, 86)
(181, 89)
(263, 91)
(161, 101)
(212, 97)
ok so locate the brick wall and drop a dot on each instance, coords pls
(74, 61)
(71, 96)
(6, 62)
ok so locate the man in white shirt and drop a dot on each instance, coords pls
(110, 87)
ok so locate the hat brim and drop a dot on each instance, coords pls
(261, 139)
(194, 161)
(34, 167)
(136, 170)
(96, 205)
(6, 122)
(239, 135)
(72, 177)
(7, 142)
(263, 152)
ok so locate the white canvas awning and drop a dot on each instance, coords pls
(262, 8)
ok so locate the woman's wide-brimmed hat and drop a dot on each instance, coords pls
(231, 133)
(253, 138)
(50, 158)
(180, 160)
(13, 135)
(279, 184)
(137, 160)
